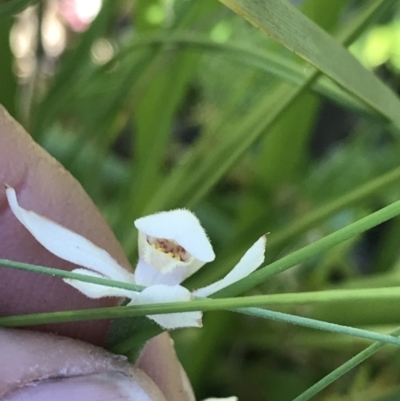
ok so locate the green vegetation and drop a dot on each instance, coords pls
(291, 129)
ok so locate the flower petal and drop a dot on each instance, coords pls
(97, 290)
(147, 275)
(164, 293)
(182, 226)
(66, 244)
(251, 260)
(222, 399)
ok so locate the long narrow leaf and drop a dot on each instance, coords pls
(204, 170)
(343, 369)
(143, 310)
(288, 26)
(256, 58)
(308, 251)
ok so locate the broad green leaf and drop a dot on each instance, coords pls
(288, 26)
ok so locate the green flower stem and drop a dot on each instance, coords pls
(314, 324)
(341, 370)
(196, 305)
(206, 304)
(66, 274)
(311, 250)
(313, 297)
(322, 213)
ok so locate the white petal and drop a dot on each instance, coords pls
(66, 244)
(251, 260)
(147, 275)
(164, 293)
(182, 226)
(222, 399)
(192, 268)
(96, 290)
(166, 264)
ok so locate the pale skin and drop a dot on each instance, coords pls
(45, 186)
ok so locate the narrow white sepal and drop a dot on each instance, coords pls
(66, 244)
(163, 294)
(96, 290)
(250, 261)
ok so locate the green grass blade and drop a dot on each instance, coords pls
(11, 264)
(316, 247)
(288, 26)
(314, 324)
(205, 167)
(202, 305)
(325, 211)
(343, 369)
(263, 60)
(298, 227)
(312, 297)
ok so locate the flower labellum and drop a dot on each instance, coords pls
(172, 246)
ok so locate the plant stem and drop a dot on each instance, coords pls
(341, 370)
(311, 250)
(49, 271)
(233, 304)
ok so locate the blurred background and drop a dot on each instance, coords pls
(158, 104)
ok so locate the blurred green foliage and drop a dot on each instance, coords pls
(161, 104)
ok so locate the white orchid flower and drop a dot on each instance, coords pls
(172, 246)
